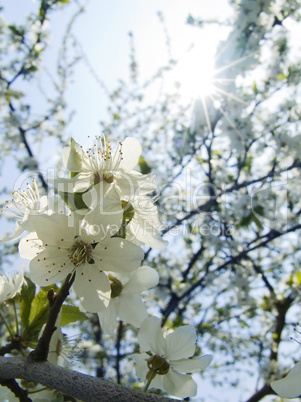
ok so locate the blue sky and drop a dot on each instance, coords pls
(103, 34)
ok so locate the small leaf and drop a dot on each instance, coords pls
(26, 297)
(144, 167)
(299, 278)
(254, 88)
(71, 314)
(38, 315)
(281, 77)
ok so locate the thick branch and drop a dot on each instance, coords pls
(78, 385)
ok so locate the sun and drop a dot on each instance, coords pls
(195, 73)
(200, 79)
(204, 83)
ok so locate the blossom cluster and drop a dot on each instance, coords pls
(93, 226)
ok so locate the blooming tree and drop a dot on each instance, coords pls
(172, 239)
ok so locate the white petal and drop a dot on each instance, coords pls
(30, 246)
(141, 365)
(150, 336)
(131, 151)
(104, 197)
(10, 286)
(118, 255)
(50, 266)
(181, 343)
(142, 369)
(108, 317)
(142, 231)
(14, 236)
(132, 184)
(142, 279)
(56, 341)
(190, 365)
(102, 224)
(131, 309)
(50, 229)
(179, 385)
(289, 386)
(92, 287)
(79, 183)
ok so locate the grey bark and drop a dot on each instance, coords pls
(73, 383)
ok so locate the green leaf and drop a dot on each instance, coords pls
(73, 174)
(38, 316)
(26, 297)
(73, 201)
(11, 93)
(38, 306)
(298, 278)
(144, 167)
(18, 31)
(72, 157)
(281, 77)
(78, 201)
(71, 314)
(254, 88)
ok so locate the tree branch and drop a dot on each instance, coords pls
(41, 351)
(14, 387)
(78, 385)
(264, 391)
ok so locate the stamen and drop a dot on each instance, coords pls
(80, 253)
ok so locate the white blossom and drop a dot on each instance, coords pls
(169, 358)
(23, 205)
(126, 300)
(100, 164)
(10, 286)
(140, 215)
(63, 244)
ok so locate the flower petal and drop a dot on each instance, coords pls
(142, 279)
(179, 385)
(142, 369)
(143, 232)
(92, 287)
(131, 309)
(50, 266)
(101, 226)
(51, 229)
(190, 365)
(141, 365)
(108, 317)
(30, 246)
(289, 386)
(118, 255)
(181, 343)
(131, 151)
(150, 336)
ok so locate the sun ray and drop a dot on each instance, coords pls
(229, 120)
(206, 115)
(219, 70)
(229, 95)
